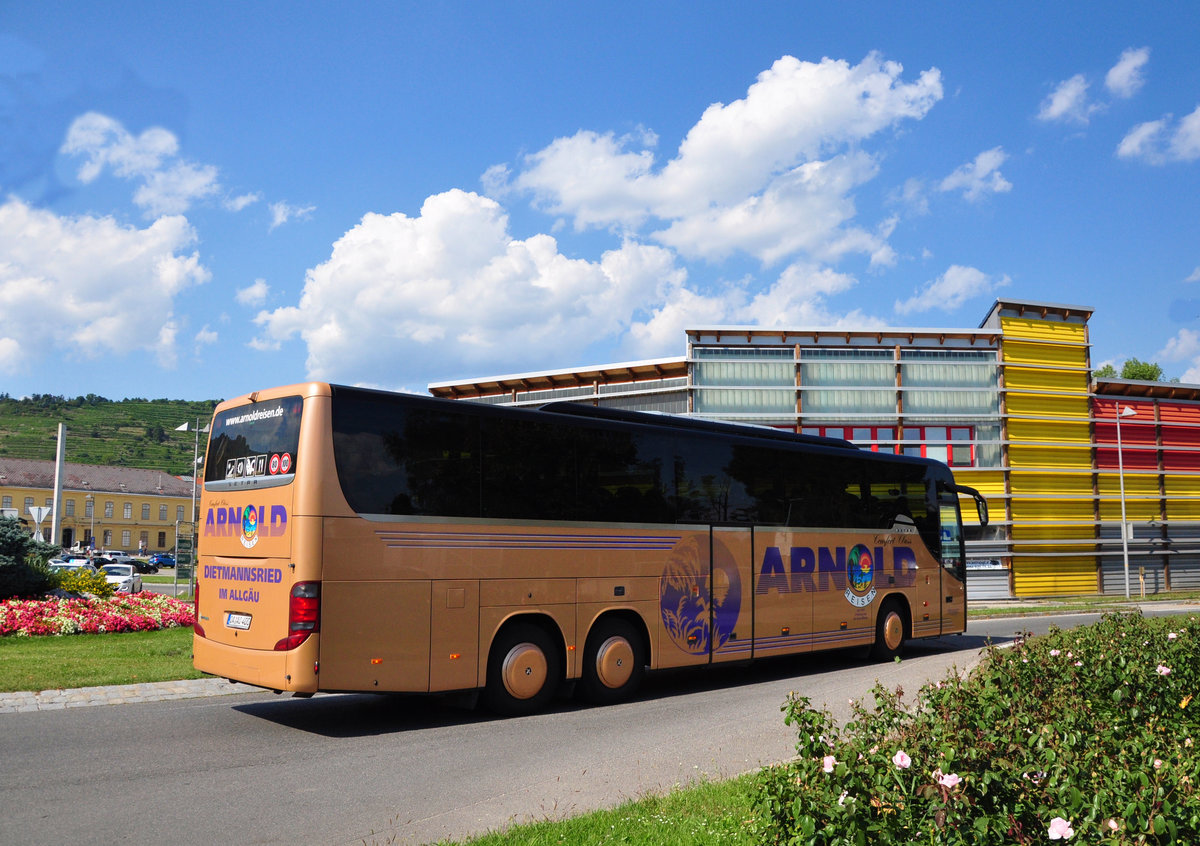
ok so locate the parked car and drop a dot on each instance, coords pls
(123, 577)
(118, 557)
(162, 559)
(68, 566)
(143, 567)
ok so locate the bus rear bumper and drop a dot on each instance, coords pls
(294, 670)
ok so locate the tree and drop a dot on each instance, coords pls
(1146, 371)
(15, 540)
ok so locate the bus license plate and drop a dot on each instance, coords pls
(234, 620)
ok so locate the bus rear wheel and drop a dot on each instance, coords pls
(890, 627)
(524, 671)
(614, 662)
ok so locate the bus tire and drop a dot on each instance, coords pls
(614, 662)
(524, 670)
(890, 627)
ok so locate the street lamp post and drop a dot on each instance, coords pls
(1127, 411)
(195, 459)
(91, 500)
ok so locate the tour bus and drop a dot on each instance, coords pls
(359, 540)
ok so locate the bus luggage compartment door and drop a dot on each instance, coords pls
(375, 636)
(784, 590)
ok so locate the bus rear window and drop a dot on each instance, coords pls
(254, 446)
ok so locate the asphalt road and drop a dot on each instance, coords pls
(255, 768)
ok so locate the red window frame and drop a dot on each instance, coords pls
(885, 438)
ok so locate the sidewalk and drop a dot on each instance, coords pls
(117, 694)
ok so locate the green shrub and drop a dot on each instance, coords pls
(23, 571)
(15, 539)
(24, 580)
(1090, 732)
(83, 580)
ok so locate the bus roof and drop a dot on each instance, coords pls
(650, 418)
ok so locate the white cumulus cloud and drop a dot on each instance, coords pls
(979, 177)
(112, 287)
(282, 212)
(1185, 346)
(254, 293)
(1126, 77)
(206, 337)
(242, 201)
(770, 175)
(1068, 102)
(1163, 141)
(452, 284)
(167, 184)
(950, 290)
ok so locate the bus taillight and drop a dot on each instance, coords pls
(304, 614)
(196, 627)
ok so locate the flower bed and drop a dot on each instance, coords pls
(1091, 734)
(52, 616)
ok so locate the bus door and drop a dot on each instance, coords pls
(784, 589)
(705, 598)
(953, 592)
(732, 604)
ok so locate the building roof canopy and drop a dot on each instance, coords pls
(93, 478)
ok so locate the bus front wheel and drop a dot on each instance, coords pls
(524, 670)
(890, 627)
(614, 662)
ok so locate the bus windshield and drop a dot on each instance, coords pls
(254, 446)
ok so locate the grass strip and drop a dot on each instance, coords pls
(706, 813)
(85, 660)
(161, 579)
(1072, 604)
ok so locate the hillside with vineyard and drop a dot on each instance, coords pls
(119, 433)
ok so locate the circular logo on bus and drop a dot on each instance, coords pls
(249, 526)
(860, 576)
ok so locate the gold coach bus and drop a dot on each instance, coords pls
(357, 540)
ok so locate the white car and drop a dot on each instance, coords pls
(123, 577)
(118, 557)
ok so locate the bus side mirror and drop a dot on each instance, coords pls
(980, 503)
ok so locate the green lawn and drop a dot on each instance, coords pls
(708, 813)
(163, 578)
(47, 663)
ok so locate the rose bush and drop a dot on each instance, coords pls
(141, 612)
(1090, 733)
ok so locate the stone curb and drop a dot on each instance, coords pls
(121, 694)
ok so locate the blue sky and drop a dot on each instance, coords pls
(200, 200)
